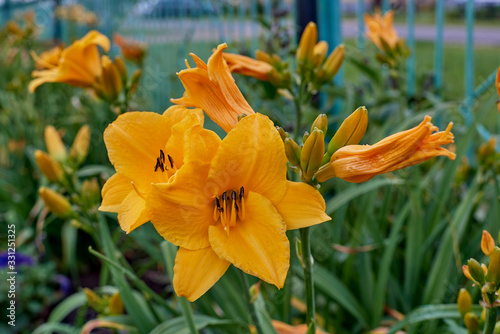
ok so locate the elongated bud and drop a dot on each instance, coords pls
(254, 292)
(55, 202)
(487, 243)
(319, 53)
(471, 322)
(464, 302)
(331, 65)
(283, 134)
(465, 269)
(350, 131)
(292, 151)
(134, 80)
(312, 153)
(122, 69)
(116, 304)
(54, 144)
(494, 267)
(263, 56)
(321, 122)
(49, 167)
(80, 147)
(305, 136)
(110, 84)
(307, 42)
(475, 270)
(91, 191)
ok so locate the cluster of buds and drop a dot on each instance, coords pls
(311, 55)
(471, 320)
(309, 159)
(104, 305)
(18, 33)
(59, 166)
(488, 155)
(487, 278)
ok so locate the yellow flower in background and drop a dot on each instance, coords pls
(359, 163)
(47, 59)
(248, 66)
(497, 85)
(234, 209)
(79, 65)
(381, 27)
(211, 87)
(146, 148)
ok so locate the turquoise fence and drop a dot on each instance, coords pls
(171, 33)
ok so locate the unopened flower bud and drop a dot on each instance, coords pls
(80, 147)
(475, 270)
(471, 322)
(136, 77)
(283, 134)
(464, 302)
(319, 53)
(91, 191)
(307, 42)
(254, 292)
(331, 65)
(263, 56)
(465, 269)
(321, 122)
(49, 167)
(350, 131)
(487, 243)
(292, 151)
(55, 202)
(116, 304)
(494, 267)
(312, 153)
(110, 85)
(305, 136)
(54, 144)
(93, 300)
(122, 69)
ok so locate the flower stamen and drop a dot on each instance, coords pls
(229, 208)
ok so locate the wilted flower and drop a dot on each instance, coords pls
(211, 87)
(79, 65)
(131, 50)
(359, 163)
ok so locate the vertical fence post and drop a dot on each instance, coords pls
(6, 11)
(469, 61)
(360, 9)
(385, 6)
(438, 47)
(410, 65)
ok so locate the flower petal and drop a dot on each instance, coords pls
(182, 210)
(134, 142)
(114, 191)
(197, 271)
(302, 206)
(257, 245)
(202, 144)
(132, 213)
(252, 155)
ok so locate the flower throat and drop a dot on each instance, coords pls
(228, 207)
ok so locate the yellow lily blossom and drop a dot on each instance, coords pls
(248, 66)
(381, 27)
(211, 87)
(47, 59)
(79, 65)
(145, 148)
(497, 85)
(234, 209)
(359, 163)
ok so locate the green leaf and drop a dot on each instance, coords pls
(67, 306)
(50, 328)
(178, 325)
(263, 316)
(347, 195)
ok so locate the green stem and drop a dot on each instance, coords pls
(307, 261)
(251, 306)
(491, 320)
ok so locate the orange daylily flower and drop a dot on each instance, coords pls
(146, 148)
(211, 87)
(381, 27)
(131, 50)
(497, 85)
(359, 163)
(79, 65)
(248, 66)
(47, 59)
(235, 209)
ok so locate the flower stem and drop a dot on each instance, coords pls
(251, 306)
(308, 278)
(491, 320)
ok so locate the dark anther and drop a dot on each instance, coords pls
(233, 195)
(236, 206)
(217, 203)
(162, 156)
(159, 164)
(171, 161)
(224, 196)
(242, 193)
